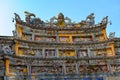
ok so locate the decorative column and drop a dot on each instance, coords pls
(28, 71)
(57, 52)
(109, 67)
(88, 52)
(64, 68)
(76, 66)
(33, 36)
(43, 52)
(57, 39)
(76, 52)
(93, 37)
(77, 69)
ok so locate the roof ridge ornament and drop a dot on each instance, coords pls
(34, 21)
(104, 20)
(28, 16)
(112, 35)
(60, 20)
(90, 19)
(17, 18)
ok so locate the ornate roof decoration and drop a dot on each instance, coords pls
(59, 21)
(112, 35)
(90, 19)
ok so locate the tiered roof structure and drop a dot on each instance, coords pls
(59, 49)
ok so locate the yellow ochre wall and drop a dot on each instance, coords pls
(19, 30)
(7, 68)
(112, 49)
(68, 36)
(69, 39)
(16, 48)
(104, 34)
(20, 51)
(67, 53)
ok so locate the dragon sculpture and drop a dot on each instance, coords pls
(31, 19)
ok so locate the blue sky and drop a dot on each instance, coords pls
(77, 10)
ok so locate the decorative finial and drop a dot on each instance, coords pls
(90, 19)
(17, 18)
(61, 20)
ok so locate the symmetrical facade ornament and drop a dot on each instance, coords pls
(59, 49)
